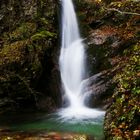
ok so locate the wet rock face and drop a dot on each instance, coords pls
(28, 48)
(99, 49)
(98, 89)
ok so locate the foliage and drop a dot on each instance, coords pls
(125, 110)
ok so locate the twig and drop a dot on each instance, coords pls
(128, 13)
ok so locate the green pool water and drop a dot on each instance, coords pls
(43, 122)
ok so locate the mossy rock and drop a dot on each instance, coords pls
(125, 110)
(24, 31)
(43, 35)
(13, 52)
(27, 45)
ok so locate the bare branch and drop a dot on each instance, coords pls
(121, 12)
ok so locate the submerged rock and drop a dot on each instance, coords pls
(43, 136)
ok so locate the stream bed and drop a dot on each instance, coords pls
(41, 126)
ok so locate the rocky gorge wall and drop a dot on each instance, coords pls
(28, 53)
(112, 30)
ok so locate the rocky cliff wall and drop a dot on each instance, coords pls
(29, 76)
(112, 34)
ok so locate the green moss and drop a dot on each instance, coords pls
(24, 31)
(12, 52)
(43, 35)
(44, 21)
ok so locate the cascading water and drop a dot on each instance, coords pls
(72, 67)
(72, 55)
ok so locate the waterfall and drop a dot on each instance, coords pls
(72, 55)
(72, 66)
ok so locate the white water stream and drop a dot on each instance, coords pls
(72, 67)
